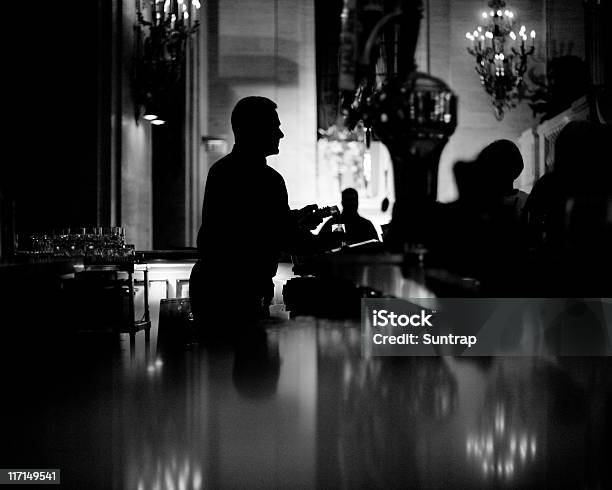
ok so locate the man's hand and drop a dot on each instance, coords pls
(307, 217)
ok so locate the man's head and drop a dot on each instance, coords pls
(500, 164)
(256, 125)
(350, 201)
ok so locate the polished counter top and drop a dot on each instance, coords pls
(295, 404)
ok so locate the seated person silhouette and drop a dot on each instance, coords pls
(479, 235)
(502, 163)
(356, 228)
(569, 216)
(246, 223)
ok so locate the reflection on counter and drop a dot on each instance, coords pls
(295, 404)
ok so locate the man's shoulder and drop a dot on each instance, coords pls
(274, 174)
(228, 164)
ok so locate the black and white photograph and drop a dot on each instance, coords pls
(286, 244)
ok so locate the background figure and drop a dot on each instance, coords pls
(481, 234)
(501, 164)
(580, 171)
(246, 223)
(569, 214)
(356, 228)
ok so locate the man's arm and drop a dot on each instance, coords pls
(296, 239)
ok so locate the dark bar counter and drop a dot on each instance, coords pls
(294, 404)
(291, 403)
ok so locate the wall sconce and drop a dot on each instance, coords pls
(160, 38)
(501, 56)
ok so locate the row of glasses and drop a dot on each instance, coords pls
(101, 244)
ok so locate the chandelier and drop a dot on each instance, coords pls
(160, 36)
(501, 56)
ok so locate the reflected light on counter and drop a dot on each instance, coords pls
(499, 455)
(150, 117)
(158, 122)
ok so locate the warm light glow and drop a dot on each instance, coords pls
(158, 122)
(513, 36)
(511, 14)
(499, 13)
(532, 34)
(475, 33)
(479, 29)
(489, 34)
(150, 117)
(469, 36)
(485, 15)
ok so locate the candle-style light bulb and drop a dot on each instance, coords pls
(485, 15)
(532, 34)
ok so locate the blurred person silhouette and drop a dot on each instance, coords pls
(579, 170)
(356, 228)
(246, 223)
(502, 163)
(480, 235)
(569, 214)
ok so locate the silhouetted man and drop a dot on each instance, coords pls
(246, 221)
(356, 228)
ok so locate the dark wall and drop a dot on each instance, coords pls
(169, 212)
(63, 79)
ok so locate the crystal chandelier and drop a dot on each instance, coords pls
(161, 33)
(501, 56)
